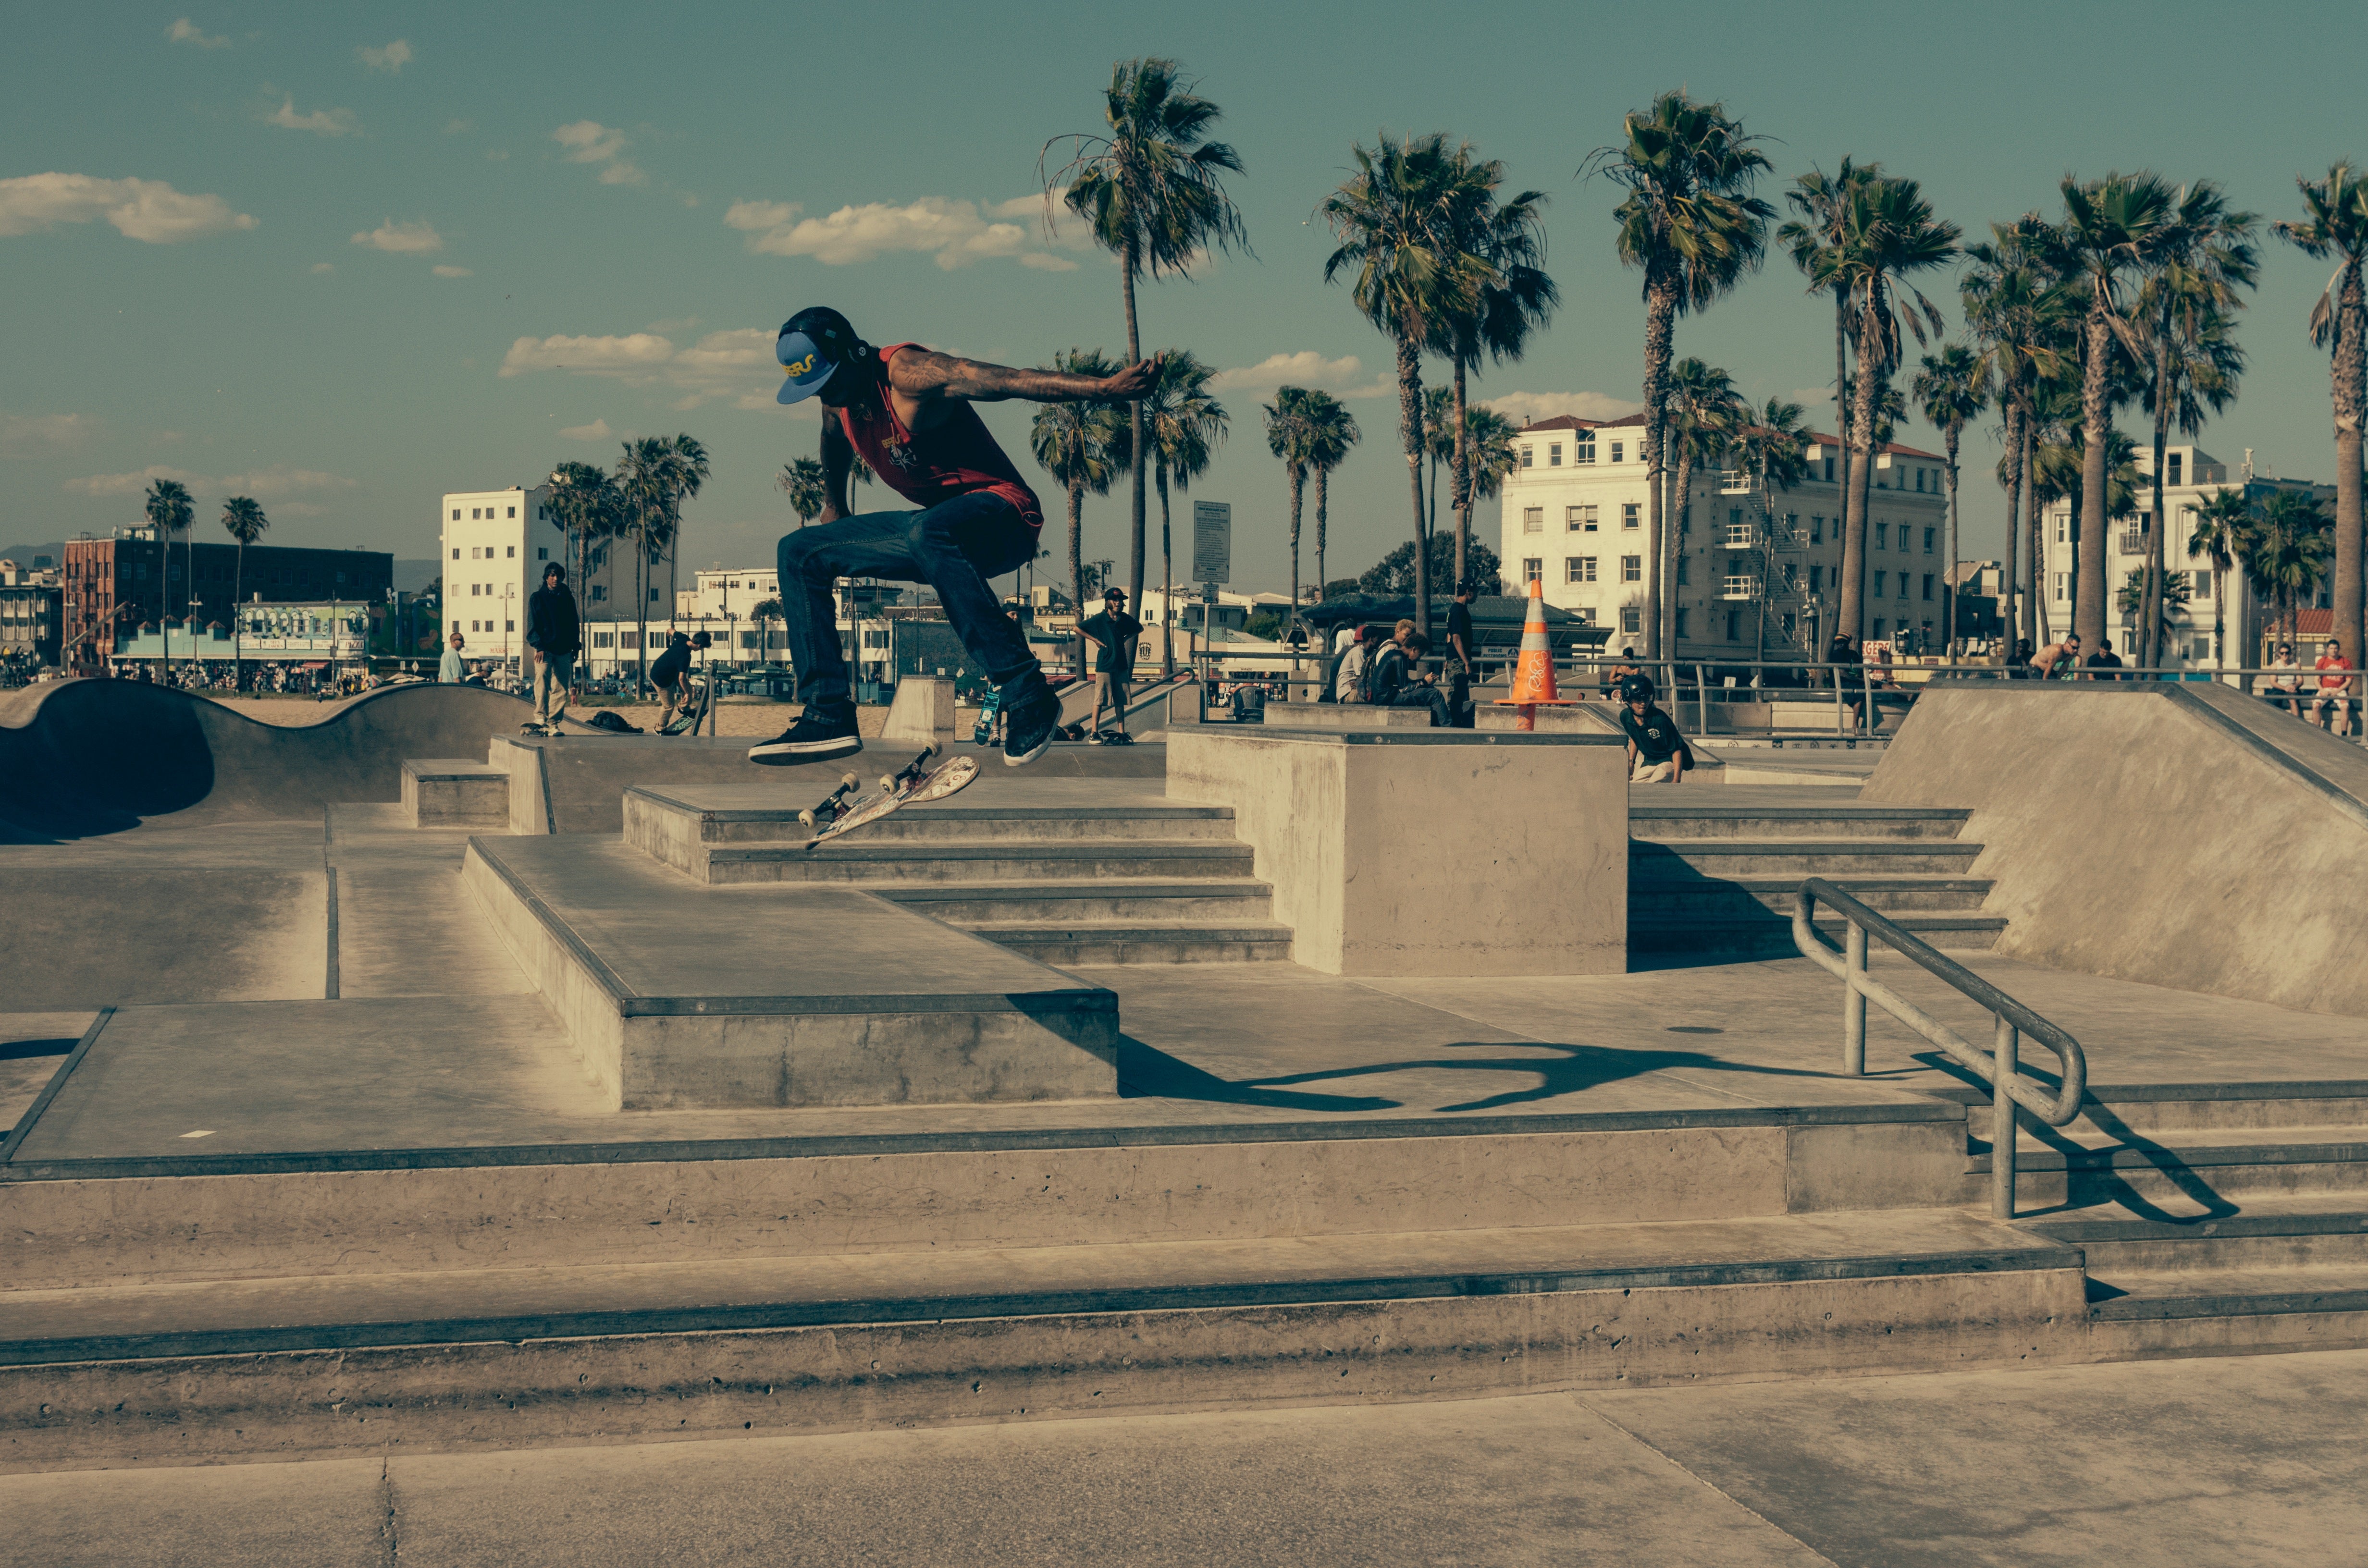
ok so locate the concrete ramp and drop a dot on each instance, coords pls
(80, 757)
(2180, 833)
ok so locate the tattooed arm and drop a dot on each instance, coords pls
(837, 459)
(924, 375)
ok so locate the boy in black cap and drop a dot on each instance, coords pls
(1114, 633)
(907, 410)
(1657, 753)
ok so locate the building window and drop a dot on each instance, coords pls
(1581, 519)
(2063, 528)
(1583, 615)
(654, 596)
(599, 592)
(541, 553)
(1928, 539)
(2203, 584)
(1682, 576)
(1533, 569)
(1631, 512)
(1878, 629)
(513, 512)
(1584, 452)
(456, 552)
(1632, 619)
(2176, 460)
(1534, 519)
(511, 551)
(604, 640)
(1618, 450)
(2061, 590)
(1632, 568)
(1735, 626)
(509, 625)
(1554, 454)
(1829, 471)
(1525, 457)
(1578, 569)
(1817, 578)
(1878, 583)
(1681, 625)
(1883, 535)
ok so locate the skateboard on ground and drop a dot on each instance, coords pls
(686, 721)
(917, 781)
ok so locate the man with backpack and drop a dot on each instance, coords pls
(1354, 665)
(1396, 680)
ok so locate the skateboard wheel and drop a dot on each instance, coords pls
(850, 781)
(887, 782)
(805, 819)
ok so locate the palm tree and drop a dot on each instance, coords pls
(1184, 426)
(643, 487)
(2112, 227)
(1950, 394)
(1149, 192)
(2184, 310)
(1704, 410)
(1081, 444)
(1488, 448)
(585, 502)
(2223, 524)
(1438, 445)
(1288, 438)
(169, 508)
(1332, 430)
(2020, 317)
(244, 520)
(1397, 219)
(1771, 445)
(1888, 231)
(802, 482)
(2169, 600)
(2286, 550)
(1511, 297)
(1692, 226)
(2337, 226)
(1822, 202)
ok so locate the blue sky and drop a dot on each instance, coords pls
(346, 257)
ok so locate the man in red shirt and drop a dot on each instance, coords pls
(907, 409)
(2334, 690)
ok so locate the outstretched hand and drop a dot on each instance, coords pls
(1133, 381)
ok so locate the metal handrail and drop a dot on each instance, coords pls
(2009, 1020)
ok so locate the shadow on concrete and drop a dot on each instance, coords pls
(80, 758)
(1146, 1072)
(19, 1049)
(1579, 1069)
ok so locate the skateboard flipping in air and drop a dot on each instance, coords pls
(835, 813)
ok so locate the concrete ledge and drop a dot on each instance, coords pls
(923, 711)
(678, 996)
(1428, 852)
(1345, 716)
(455, 792)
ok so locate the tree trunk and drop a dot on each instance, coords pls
(1078, 571)
(1853, 618)
(1298, 478)
(2009, 618)
(1323, 487)
(2089, 603)
(1681, 505)
(2151, 604)
(1134, 446)
(1661, 319)
(2034, 602)
(1410, 437)
(640, 615)
(1167, 581)
(1459, 488)
(1842, 367)
(237, 626)
(1949, 575)
(2350, 361)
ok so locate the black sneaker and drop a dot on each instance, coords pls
(819, 733)
(1029, 729)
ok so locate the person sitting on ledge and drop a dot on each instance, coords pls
(1398, 681)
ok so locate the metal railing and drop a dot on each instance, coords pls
(2009, 1020)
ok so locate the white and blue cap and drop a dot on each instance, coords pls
(813, 345)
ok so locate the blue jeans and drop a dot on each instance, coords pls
(954, 547)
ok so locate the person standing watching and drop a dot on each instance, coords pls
(1114, 633)
(451, 669)
(552, 633)
(1462, 669)
(2334, 691)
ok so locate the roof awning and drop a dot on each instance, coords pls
(314, 664)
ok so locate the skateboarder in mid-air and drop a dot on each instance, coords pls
(907, 409)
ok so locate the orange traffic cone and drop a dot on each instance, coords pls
(1533, 678)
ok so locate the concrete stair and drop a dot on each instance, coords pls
(1142, 881)
(1717, 873)
(2215, 1218)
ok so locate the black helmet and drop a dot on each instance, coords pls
(1635, 688)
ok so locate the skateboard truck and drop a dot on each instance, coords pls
(825, 811)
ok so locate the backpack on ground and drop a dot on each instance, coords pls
(608, 719)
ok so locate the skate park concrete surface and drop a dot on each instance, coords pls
(311, 1161)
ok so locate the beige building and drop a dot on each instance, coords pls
(1574, 517)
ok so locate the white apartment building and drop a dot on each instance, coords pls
(1574, 516)
(493, 545)
(2190, 476)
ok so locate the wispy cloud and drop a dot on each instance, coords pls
(589, 142)
(321, 121)
(596, 431)
(188, 32)
(1344, 377)
(956, 233)
(325, 267)
(459, 127)
(738, 363)
(35, 435)
(391, 58)
(1527, 408)
(404, 239)
(277, 481)
(144, 210)
(446, 271)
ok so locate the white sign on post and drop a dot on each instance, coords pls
(1212, 541)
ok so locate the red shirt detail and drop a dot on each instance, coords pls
(929, 466)
(2333, 683)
